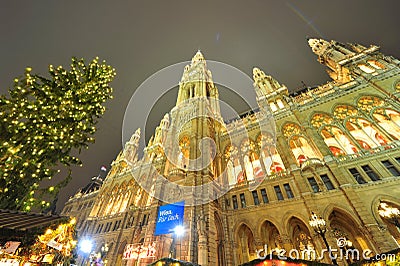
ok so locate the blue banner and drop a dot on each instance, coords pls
(169, 216)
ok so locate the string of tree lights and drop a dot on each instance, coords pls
(43, 122)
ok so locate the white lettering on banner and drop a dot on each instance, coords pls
(165, 212)
(170, 217)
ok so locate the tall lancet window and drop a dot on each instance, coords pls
(389, 120)
(118, 200)
(138, 196)
(150, 195)
(383, 114)
(299, 143)
(269, 155)
(363, 131)
(113, 197)
(99, 203)
(127, 197)
(183, 155)
(334, 137)
(234, 168)
(251, 161)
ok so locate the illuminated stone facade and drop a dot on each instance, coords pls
(335, 152)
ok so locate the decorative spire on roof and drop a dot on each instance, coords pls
(266, 84)
(131, 147)
(270, 93)
(318, 46)
(197, 82)
(198, 57)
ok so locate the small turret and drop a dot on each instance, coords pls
(160, 133)
(265, 84)
(131, 147)
(332, 54)
(157, 141)
(269, 91)
(329, 52)
(343, 63)
(197, 82)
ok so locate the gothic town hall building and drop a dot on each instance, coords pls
(333, 151)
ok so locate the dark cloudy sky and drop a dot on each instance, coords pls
(139, 38)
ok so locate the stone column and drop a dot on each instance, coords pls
(202, 248)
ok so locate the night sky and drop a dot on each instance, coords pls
(138, 38)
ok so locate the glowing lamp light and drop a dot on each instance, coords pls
(73, 221)
(86, 246)
(179, 230)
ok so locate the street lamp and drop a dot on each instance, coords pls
(104, 250)
(390, 213)
(319, 226)
(86, 246)
(179, 231)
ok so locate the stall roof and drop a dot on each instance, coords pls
(21, 221)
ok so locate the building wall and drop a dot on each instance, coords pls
(335, 153)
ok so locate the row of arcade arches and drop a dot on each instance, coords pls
(350, 129)
(296, 234)
(118, 198)
(369, 125)
(253, 160)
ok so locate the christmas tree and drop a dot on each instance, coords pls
(43, 123)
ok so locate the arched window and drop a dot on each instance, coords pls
(298, 143)
(183, 157)
(338, 142)
(271, 237)
(96, 207)
(138, 197)
(388, 212)
(301, 238)
(319, 120)
(343, 226)
(367, 135)
(343, 111)
(150, 196)
(366, 69)
(234, 169)
(383, 114)
(273, 106)
(367, 103)
(119, 199)
(364, 132)
(251, 161)
(389, 120)
(125, 202)
(269, 155)
(108, 207)
(246, 244)
(376, 64)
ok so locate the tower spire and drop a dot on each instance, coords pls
(197, 82)
(269, 91)
(198, 57)
(332, 54)
(132, 146)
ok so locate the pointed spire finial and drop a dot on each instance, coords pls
(264, 82)
(136, 136)
(198, 57)
(318, 46)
